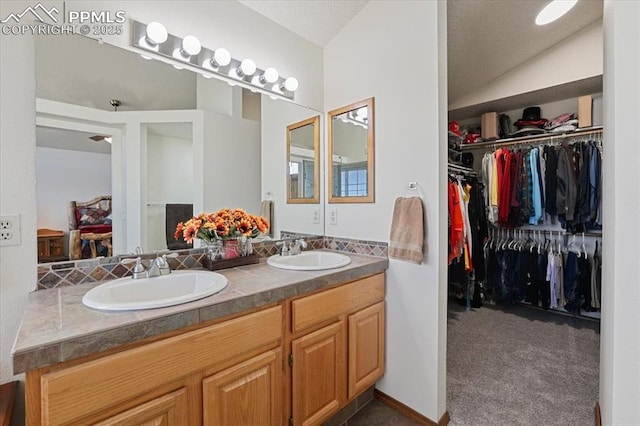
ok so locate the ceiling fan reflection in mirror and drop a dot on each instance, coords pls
(115, 103)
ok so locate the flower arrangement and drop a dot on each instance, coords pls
(225, 224)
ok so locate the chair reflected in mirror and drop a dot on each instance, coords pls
(90, 228)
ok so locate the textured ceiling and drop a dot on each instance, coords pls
(487, 38)
(72, 140)
(315, 20)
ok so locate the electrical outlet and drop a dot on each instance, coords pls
(316, 216)
(10, 230)
(333, 217)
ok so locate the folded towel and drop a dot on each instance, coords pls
(407, 230)
(266, 211)
(176, 213)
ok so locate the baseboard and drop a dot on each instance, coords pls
(408, 411)
(598, 414)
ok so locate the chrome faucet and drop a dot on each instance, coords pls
(139, 271)
(158, 266)
(297, 247)
(284, 249)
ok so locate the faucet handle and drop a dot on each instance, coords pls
(302, 243)
(139, 270)
(163, 265)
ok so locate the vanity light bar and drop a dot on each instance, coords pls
(154, 38)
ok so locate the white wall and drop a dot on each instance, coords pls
(409, 125)
(168, 181)
(232, 163)
(355, 148)
(244, 32)
(574, 59)
(63, 176)
(276, 116)
(620, 337)
(77, 70)
(18, 191)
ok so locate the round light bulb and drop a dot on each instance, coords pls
(291, 84)
(191, 45)
(248, 67)
(554, 10)
(271, 75)
(221, 57)
(156, 33)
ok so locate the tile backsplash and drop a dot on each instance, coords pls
(62, 274)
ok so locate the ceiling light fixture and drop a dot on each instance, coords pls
(554, 10)
(188, 53)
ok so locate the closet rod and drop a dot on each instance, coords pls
(550, 231)
(462, 169)
(524, 140)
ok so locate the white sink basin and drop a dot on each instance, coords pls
(157, 292)
(309, 261)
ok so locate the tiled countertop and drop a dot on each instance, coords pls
(57, 327)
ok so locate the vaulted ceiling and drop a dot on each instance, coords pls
(486, 38)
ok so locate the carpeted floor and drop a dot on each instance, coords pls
(514, 365)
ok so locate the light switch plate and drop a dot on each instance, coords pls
(333, 217)
(316, 216)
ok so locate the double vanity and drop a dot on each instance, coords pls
(290, 344)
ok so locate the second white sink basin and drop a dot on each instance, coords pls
(147, 293)
(309, 261)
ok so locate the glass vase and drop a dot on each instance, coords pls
(213, 249)
(231, 249)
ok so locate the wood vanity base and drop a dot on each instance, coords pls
(297, 362)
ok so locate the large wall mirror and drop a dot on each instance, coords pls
(177, 143)
(351, 153)
(303, 161)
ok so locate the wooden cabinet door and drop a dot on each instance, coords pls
(366, 348)
(249, 393)
(167, 410)
(319, 374)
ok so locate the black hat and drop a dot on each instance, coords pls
(531, 113)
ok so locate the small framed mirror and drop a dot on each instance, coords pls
(351, 153)
(303, 162)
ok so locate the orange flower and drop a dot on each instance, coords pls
(262, 224)
(245, 227)
(222, 229)
(179, 229)
(190, 233)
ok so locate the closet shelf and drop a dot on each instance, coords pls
(531, 139)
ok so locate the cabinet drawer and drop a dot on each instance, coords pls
(318, 308)
(99, 384)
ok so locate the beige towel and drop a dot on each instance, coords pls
(266, 211)
(407, 230)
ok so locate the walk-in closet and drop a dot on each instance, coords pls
(525, 227)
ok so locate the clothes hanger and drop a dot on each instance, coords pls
(583, 247)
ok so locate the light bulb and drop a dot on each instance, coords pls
(290, 84)
(191, 46)
(221, 58)
(554, 10)
(270, 75)
(156, 33)
(247, 67)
